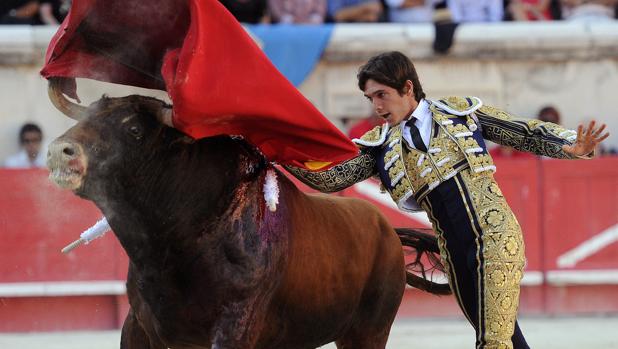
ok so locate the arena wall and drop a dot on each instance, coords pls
(568, 211)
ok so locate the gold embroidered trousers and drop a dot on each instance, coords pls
(482, 247)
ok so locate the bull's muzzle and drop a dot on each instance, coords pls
(67, 164)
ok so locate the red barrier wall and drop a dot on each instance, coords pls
(37, 220)
(581, 234)
(568, 211)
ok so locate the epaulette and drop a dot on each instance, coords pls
(374, 137)
(458, 106)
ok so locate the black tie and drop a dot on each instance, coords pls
(416, 135)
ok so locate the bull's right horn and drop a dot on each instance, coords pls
(165, 116)
(60, 101)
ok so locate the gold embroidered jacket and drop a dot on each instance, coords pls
(460, 125)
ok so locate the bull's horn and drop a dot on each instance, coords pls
(165, 116)
(60, 101)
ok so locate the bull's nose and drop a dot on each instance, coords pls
(67, 163)
(62, 150)
(69, 150)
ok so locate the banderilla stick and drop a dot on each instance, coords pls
(96, 231)
(68, 248)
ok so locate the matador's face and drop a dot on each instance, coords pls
(388, 103)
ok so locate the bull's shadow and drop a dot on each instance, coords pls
(210, 264)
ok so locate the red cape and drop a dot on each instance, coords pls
(219, 81)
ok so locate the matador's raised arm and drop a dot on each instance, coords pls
(534, 136)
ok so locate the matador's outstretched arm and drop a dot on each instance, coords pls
(538, 137)
(340, 176)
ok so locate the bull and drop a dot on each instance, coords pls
(210, 266)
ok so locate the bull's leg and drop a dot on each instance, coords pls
(363, 339)
(133, 335)
(380, 300)
(241, 324)
(374, 324)
(374, 321)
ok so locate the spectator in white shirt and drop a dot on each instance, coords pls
(465, 11)
(411, 11)
(30, 155)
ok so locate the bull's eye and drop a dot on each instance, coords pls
(135, 131)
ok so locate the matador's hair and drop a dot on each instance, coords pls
(392, 69)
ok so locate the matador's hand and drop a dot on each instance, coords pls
(587, 140)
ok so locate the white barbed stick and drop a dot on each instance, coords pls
(96, 231)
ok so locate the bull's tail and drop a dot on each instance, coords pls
(422, 244)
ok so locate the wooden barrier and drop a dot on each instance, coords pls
(568, 211)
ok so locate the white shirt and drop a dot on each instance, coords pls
(416, 14)
(463, 11)
(21, 160)
(423, 121)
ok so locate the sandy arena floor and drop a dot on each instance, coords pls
(543, 333)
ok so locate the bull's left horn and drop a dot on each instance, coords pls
(60, 101)
(165, 116)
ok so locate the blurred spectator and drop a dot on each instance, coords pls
(33, 11)
(30, 155)
(530, 10)
(607, 150)
(354, 10)
(46, 13)
(411, 11)
(450, 13)
(297, 11)
(247, 11)
(19, 12)
(361, 127)
(592, 10)
(444, 28)
(464, 11)
(549, 114)
(54, 11)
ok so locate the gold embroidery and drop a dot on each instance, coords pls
(445, 152)
(456, 128)
(495, 112)
(460, 103)
(395, 170)
(468, 143)
(401, 189)
(479, 162)
(373, 135)
(337, 177)
(503, 257)
(400, 186)
(438, 116)
(390, 155)
(395, 133)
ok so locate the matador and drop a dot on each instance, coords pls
(431, 155)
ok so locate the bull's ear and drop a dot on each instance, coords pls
(183, 139)
(187, 140)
